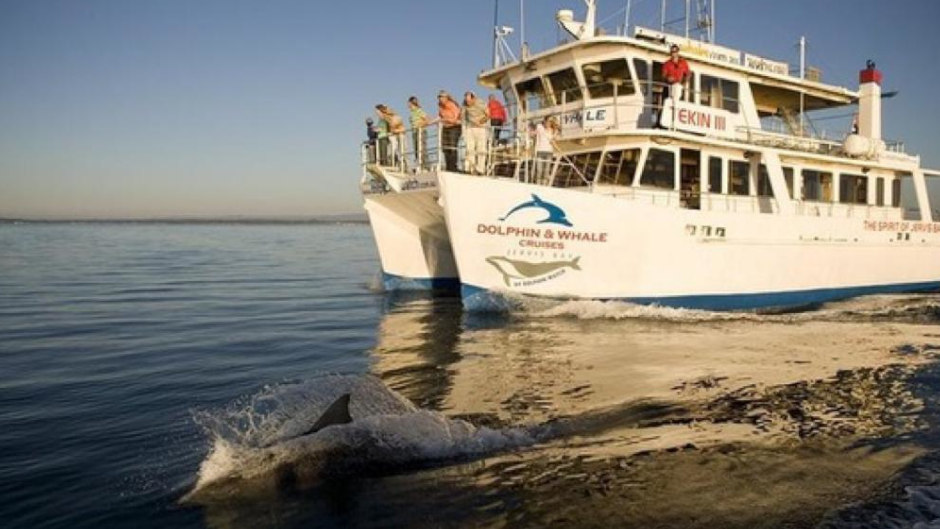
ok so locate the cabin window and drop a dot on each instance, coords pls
(574, 169)
(642, 69)
(618, 167)
(896, 193)
(788, 177)
(719, 93)
(660, 169)
(907, 197)
(879, 191)
(853, 189)
(565, 86)
(715, 175)
(817, 185)
(764, 187)
(738, 178)
(601, 77)
(532, 95)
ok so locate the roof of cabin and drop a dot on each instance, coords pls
(771, 90)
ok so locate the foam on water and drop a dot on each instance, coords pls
(262, 434)
(914, 308)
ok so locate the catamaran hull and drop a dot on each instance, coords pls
(513, 239)
(412, 240)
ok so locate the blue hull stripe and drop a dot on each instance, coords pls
(393, 282)
(477, 299)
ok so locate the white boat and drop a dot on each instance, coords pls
(693, 202)
(407, 224)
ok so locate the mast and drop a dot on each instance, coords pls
(802, 76)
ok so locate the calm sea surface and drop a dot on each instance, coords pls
(140, 362)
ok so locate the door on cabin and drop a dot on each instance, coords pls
(690, 178)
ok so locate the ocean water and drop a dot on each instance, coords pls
(164, 375)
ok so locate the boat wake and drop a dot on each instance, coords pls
(914, 308)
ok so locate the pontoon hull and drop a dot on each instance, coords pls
(412, 240)
(521, 239)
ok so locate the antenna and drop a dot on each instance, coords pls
(700, 24)
(579, 30)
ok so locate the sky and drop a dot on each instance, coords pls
(181, 108)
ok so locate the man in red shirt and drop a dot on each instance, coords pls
(676, 72)
(497, 116)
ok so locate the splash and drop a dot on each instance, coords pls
(260, 438)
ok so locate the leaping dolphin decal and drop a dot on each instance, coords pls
(556, 215)
(513, 269)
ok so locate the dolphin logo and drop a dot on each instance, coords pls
(513, 269)
(556, 215)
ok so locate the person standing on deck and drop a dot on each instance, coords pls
(372, 135)
(381, 135)
(676, 73)
(419, 120)
(395, 128)
(476, 119)
(497, 116)
(449, 113)
(544, 149)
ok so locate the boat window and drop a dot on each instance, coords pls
(907, 197)
(565, 86)
(764, 187)
(573, 170)
(660, 169)
(853, 189)
(618, 167)
(601, 77)
(896, 193)
(817, 185)
(715, 176)
(738, 179)
(642, 74)
(879, 191)
(788, 177)
(532, 95)
(719, 93)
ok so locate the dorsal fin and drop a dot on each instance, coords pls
(336, 413)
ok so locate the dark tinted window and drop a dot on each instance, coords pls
(619, 167)
(601, 77)
(738, 181)
(853, 189)
(715, 168)
(659, 170)
(565, 86)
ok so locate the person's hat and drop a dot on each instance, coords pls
(443, 93)
(368, 121)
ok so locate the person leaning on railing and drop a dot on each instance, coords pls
(449, 113)
(395, 128)
(476, 119)
(419, 136)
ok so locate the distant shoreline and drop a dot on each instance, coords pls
(205, 221)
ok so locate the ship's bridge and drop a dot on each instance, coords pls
(612, 84)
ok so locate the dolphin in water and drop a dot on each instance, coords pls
(514, 269)
(367, 429)
(556, 215)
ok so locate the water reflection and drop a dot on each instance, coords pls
(688, 420)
